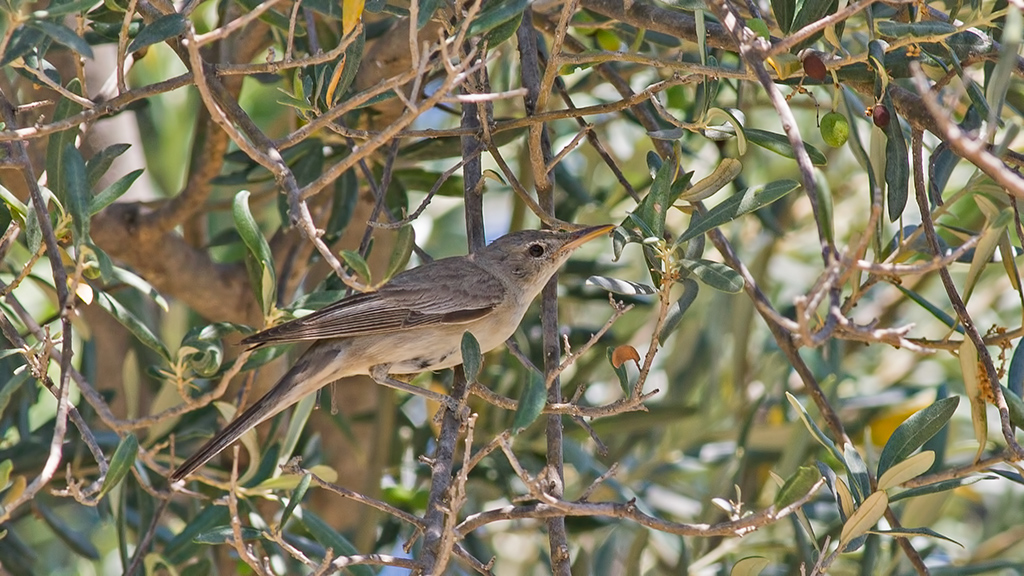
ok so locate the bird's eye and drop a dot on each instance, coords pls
(536, 250)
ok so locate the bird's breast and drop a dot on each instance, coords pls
(438, 347)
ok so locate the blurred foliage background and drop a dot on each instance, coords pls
(814, 365)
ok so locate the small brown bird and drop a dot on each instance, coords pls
(411, 324)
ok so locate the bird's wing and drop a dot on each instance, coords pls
(459, 292)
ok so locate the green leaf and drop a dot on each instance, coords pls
(915, 431)
(620, 372)
(97, 259)
(17, 208)
(715, 274)
(5, 473)
(679, 307)
(739, 204)
(1015, 405)
(618, 286)
(33, 231)
(54, 10)
(182, 547)
(897, 164)
(809, 11)
(495, 14)
(225, 534)
(779, 144)
(426, 12)
(120, 463)
(749, 566)
(98, 165)
(784, 11)
(297, 495)
(471, 357)
(503, 31)
(813, 428)
(1015, 378)
(654, 207)
(857, 471)
(891, 29)
(796, 487)
(261, 263)
(405, 240)
(66, 36)
(59, 141)
(161, 29)
(357, 263)
(911, 532)
(111, 193)
(942, 486)
(934, 310)
(75, 195)
(133, 324)
(329, 538)
(531, 403)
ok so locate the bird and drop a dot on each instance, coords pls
(413, 323)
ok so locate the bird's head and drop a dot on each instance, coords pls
(528, 258)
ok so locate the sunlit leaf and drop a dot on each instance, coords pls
(864, 518)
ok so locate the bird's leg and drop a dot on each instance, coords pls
(379, 374)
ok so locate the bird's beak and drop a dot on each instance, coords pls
(580, 237)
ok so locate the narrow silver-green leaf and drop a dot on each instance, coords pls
(813, 428)
(297, 495)
(897, 164)
(471, 357)
(942, 486)
(261, 267)
(225, 534)
(76, 195)
(404, 242)
(796, 487)
(779, 144)
(120, 463)
(620, 371)
(357, 263)
(140, 284)
(66, 36)
(1015, 377)
(715, 274)
(111, 193)
(98, 165)
(328, 537)
(531, 403)
(891, 29)
(915, 431)
(739, 204)
(618, 286)
(133, 324)
(911, 532)
(161, 29)
(58, 142)
(678, 308)
(18, 208)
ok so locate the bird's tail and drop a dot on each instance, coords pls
(315, 369)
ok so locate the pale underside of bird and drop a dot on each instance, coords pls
(413, 323)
